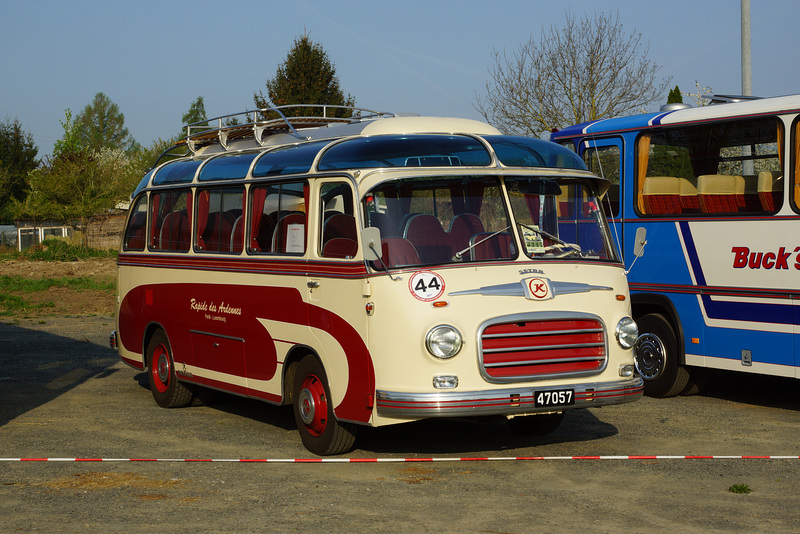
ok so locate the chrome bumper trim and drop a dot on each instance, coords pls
(521, 400)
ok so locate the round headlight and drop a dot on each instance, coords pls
(627, 332)
(443, 341)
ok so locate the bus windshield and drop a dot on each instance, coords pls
(441, 220)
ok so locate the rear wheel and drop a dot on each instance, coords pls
(656, 353)
(536, 425)
(167, 390)
(313, 411)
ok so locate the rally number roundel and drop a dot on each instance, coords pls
(426, 285)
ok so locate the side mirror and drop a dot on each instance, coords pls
(371, 240)
(641, 241)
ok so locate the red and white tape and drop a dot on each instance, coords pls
(401, 460)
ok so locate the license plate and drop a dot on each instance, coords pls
(556, 397)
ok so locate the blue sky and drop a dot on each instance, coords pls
(153, 58)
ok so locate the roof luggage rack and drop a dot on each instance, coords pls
(261, 123)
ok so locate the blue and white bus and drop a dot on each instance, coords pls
(716, 190)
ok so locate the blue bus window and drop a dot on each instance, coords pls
(405, 151)
(179, 172)
(527, 152)
(227, 167)
(291, 160)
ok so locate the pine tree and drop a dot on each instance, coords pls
(675, 96)
(102, 125)
(17, 159)
(307, 76)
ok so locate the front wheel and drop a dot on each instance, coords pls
(656, 353)
(313, 411)
(167, 390)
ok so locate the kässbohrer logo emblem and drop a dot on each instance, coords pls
(537, 288)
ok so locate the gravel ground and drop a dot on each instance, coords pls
(64, 394)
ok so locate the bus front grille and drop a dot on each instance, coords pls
(528, 350)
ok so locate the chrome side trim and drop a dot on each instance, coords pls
(512, 401)
(517, 289)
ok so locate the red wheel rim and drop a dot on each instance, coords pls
(160, 368)
(313, 405)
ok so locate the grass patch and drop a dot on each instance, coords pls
(740, 488)
(13, 304)
(58, 250)
(79, 283)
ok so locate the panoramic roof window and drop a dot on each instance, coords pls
(527, 152)
(406, 151)
(290, 160)
(227, 167)
(177, 172)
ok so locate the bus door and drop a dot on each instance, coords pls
(335, 287)
(604, 158)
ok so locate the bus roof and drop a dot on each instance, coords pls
(762, 106)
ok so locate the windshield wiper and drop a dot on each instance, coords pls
(460, 253)
(576, 249)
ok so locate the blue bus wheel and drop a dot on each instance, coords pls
(656, 353)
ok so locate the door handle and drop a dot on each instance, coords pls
(313, 284)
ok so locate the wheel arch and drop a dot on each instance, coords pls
(644, 303)
(297, 353)
(149, 330)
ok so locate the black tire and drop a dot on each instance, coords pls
(656, 353)
(698, 380)
(321, 433)
(167, 390)
(536, 425)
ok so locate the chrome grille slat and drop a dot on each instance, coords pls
(529, 348)
(571, 345)
(535, 362)
(545, 333)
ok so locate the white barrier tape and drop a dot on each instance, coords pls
(399, 460)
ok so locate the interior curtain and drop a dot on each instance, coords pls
(642, 155)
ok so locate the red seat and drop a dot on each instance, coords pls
(661, 195)
(496, 247)
(283, 240)
(398, 252)
(175, 231)
(429, 238)
(340, 247)
(720, 193)
(462, 228)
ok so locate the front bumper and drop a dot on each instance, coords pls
(512, 401)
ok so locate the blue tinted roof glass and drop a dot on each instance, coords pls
(290, 160)
(177, 172)
(227, 167)
(144, 182)
(529, 152)
(406, 151)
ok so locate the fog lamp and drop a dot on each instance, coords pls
(445, 382)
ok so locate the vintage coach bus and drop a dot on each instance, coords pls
(373, 270)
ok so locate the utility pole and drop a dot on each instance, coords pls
(747, 79)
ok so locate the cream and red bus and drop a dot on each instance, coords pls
(373, 270)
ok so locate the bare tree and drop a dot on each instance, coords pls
(589, 69)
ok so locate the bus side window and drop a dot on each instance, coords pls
(338, 235)
(170, 220)
(278, 221)
(135, 237)
(218, 213)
